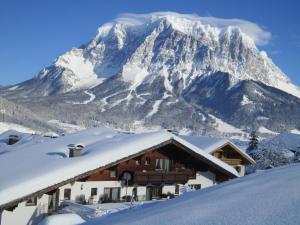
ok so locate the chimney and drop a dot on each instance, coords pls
(12, 139)
(75, 150)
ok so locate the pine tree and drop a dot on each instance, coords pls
(253, 143)
(297, 155)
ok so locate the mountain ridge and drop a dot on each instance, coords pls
(151, 68)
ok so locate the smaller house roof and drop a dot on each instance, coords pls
(210, 144)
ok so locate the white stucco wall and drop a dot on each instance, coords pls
(84, 188)
(206, 179)
(26, 215)
(141, 193)
(242, 170)
(168, 189)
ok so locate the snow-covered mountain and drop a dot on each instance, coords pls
(145, 70)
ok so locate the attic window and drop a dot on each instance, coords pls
(162, 164)
(138, 161)
(113, 173)
(31, 202)
(147, 161)
(238, 169)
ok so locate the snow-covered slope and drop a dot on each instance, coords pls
(281, 142)
(17, 117)
(268, 198)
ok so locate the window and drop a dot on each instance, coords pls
(111, 194)
(218, 155)
(138, 162)
(147, 161)
(93, 192)
(113, 173)
(67, 194)
(31, 202)
(238, 169)
(162, 164)
(195, 186)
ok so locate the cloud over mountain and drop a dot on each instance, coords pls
(256, 32)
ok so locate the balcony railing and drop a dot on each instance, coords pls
(232, 162)
(157, 177)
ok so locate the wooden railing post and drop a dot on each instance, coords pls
(1, 211)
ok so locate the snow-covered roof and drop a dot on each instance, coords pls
(210, 144)
(30, 167)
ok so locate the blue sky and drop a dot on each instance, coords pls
(34, 32)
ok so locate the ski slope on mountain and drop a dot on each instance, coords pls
(265, 198)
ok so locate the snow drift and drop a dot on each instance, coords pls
(269, 198)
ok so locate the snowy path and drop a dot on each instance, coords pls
(92, 98)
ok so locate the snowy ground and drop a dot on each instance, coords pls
(62, 219)
(88, 212)
(265, 198)
(69, 128)
(12, 126)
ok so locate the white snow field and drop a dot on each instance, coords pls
(62, 219)
(89, 212)
(12, 126)
(265, 198)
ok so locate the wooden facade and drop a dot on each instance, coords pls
(144, 169)
(231, 156)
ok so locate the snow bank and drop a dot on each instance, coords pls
(12, 126)
(264, 130)
(269, 198)
(62, 219)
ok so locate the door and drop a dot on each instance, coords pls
(153, 192)
(156, 192)
(149, 191)
(53, 201)
(112, 194)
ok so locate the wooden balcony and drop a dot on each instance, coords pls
(232, 162)
(158, 177)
